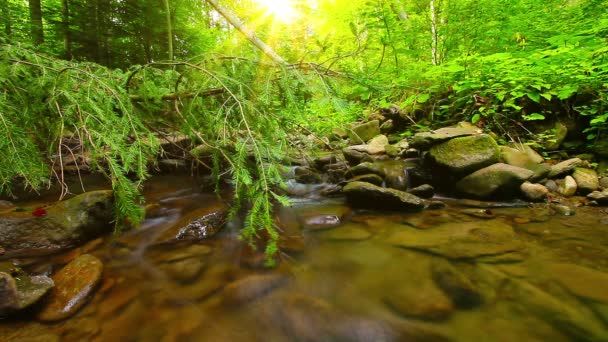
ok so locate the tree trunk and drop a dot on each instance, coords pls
(249, 34)
(434, 40)
(169, 29)
(65, 28)
(36, 22)
(6, 17)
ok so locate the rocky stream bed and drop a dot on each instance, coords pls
(378, 246)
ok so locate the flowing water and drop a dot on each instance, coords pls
(452, 274)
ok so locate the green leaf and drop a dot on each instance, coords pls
(534, 96)
(475, 118)
(533, 117)
(423, 98)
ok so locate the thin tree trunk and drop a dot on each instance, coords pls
(434, 42)
(36, 22)
(169, 29)
(65, 27)
(249, 34)
(6, 17)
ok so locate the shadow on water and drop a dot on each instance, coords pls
(468, 272)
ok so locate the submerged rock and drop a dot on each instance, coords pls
(252, 287)
(466, 154)
(367, 195)
(347, 232)
(73, 285)
(462, 240)
(59, 226)
(18, 292)
(455, 284)
(582, 281)
(496, 178)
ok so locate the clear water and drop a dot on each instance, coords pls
(345, 275)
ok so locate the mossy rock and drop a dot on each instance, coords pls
(465, 154)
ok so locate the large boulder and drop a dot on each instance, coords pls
(375, 146)
(425, 140)
(367, 195)
(362, 133)
(59, 226)
(394, 172)
(466, 154)
(521, 157)
(493, 179)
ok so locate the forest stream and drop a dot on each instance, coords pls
(453, 274)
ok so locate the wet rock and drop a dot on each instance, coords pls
(200, 224)
(365, 169)
(369, 178)
(252, 287)
(462, 240)
(601, 197)
(367, 195)
(466, 154)
(62, 225)
(320, 217)
(321, 162)
(6, 205)
(73, 285)
(306, 175)
(427, 139)
(362, 133)
(434, 205)
(564, 167)
(8, 293)
(423, 191)
(456, 285)
(293, 244)
(493, 179)
(485, 214)
(561, 131)
(561, 209)
(347, 232)
(581, 281)
(534, 192)
(116, 300)
(586, 180)
(567, 187)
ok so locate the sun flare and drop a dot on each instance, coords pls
(282, 10)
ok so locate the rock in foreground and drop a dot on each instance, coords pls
(496, 178)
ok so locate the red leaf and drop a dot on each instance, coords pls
(39, 212)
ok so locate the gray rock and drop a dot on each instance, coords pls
(200, 224)
(61, 225)
(541, 171)
(425, 140)
(394, 172)
(601, 197)
(586, 180)
(561, 209)
(339, 133)
(564, 167)
(551, 185)
(362, 133)
(375, 146)
(567, 187)
(423, 191)
(489, 181)
(462, 240)
(355, 157)
(561, 131)
(367, 195)
(466, 154)
(534, 191)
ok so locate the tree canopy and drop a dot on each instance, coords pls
(240, 75)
